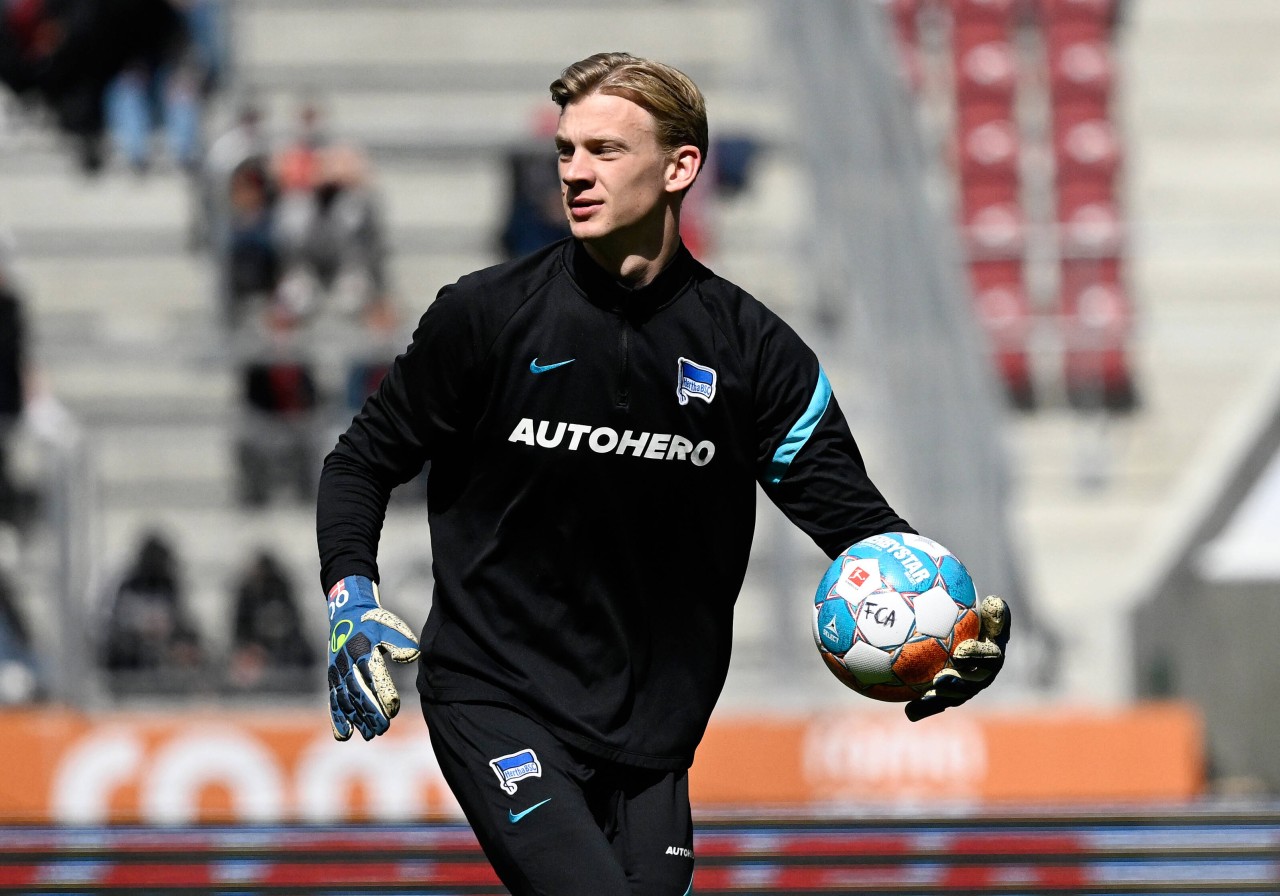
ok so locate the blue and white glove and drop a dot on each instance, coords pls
(361, 693)
(974, 663)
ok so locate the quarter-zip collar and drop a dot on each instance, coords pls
(602, 290)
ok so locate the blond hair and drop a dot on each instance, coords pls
(668, 94)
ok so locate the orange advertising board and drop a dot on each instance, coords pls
(1147, 752)
(273, 765)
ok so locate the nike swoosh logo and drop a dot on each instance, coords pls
(516, 816)
(535, 367)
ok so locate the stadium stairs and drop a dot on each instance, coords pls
(1217, 851)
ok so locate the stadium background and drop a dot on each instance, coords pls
(1128, 745)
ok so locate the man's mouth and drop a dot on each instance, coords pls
(582, 208)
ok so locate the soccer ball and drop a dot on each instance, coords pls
(889, 611)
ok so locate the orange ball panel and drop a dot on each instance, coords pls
(967, 626)
(918, 661)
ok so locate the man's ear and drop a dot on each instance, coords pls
(683, 168)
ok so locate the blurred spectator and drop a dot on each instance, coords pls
(243, 142)
(251, 262)
(19, 671)
(277, 445)
(332, 241)
(297, 163)
(13, 354)
(535, 215)
(150, 643)
(166, 89)
(62, 54)
(209, 33)
(270, 649)
(149, 94)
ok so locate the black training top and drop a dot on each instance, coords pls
(594, 452)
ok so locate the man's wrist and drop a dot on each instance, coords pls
(350, 592)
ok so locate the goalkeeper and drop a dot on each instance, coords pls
(597, 415)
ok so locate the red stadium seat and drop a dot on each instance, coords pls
(1094, 13)
(992, 221)
(1004, 311)
(1089, 220)
(986, 72)
(1097, 320)
(1085, 146)
(1057, 32)
(1078, 275)
(1080, 72)
(990, 273)
(989, 150)
(997, 13)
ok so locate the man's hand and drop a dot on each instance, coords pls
(974, 663)
(361, 692)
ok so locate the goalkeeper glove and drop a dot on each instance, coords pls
(974, 663)
(361, 692)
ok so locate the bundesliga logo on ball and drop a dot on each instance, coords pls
(888, 613)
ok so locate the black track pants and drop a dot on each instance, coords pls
(555, 821)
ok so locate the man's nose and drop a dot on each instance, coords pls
(574, 167)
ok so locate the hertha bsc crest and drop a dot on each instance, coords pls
(516, 767)
(694, 381)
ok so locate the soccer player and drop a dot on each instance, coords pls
(597, 415)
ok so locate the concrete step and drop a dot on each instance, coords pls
(405, 34)
(41, 201)
(1182, 81)
(143, 454)
(142, 386)
(114, 286)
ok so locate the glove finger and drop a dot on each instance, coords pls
(337, 714)
(373, 671)
(950, 685)
(394, 635)
(994, 615)
(977, 660)
(366, 713)
(348, 711)
(341, 727)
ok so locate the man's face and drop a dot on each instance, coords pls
(614, 176)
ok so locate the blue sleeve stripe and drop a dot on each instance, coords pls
(802, 429)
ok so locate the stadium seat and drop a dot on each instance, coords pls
(986, 72)
(1080, 13)
(997, 13)
(992, 220)
(1090, 223)
(1085, 145)
(1004, 310)
(1097, 320)
(1080, 71)
(989, 150)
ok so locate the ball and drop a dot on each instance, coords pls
(889, 611)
